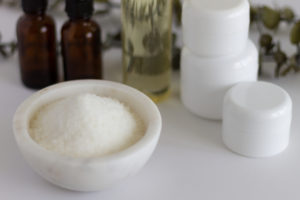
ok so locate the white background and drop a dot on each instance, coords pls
(190, 161)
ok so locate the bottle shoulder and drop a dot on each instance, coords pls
(35, 23)
(34, 27)
(36, 20)
(81, 26)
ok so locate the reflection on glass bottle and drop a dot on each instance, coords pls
(147, 42)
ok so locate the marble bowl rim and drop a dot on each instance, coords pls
(21, 117)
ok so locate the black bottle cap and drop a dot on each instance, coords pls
(78, 9)
(34, 6)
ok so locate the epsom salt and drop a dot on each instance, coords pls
(86, 125)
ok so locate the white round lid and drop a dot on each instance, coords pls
(256, 119)
(226, 16)
(259, 98)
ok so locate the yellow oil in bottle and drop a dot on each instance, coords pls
(147, 43)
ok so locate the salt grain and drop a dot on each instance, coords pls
(86, 125)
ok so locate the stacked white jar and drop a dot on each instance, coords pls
(217, 53)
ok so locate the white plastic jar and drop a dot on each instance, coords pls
(205, 80)
(215, 27)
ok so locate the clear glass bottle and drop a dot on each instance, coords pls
(147, 44)
(37, 45)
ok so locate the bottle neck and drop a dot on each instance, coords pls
(79, 18)
(36, 12)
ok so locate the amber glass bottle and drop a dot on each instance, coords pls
(81, 43)
(37, 45)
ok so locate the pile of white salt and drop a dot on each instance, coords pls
(86, 125)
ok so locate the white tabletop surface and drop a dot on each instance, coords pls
(190, 161)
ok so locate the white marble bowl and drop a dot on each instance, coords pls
(88, 174)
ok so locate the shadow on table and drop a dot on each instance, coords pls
(184, 129)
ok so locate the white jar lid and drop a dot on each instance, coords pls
(256, 119)
(215, 27)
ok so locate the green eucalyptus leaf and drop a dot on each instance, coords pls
(287, 70)
(270, 17)
(295, 33)
(265, 40)
(280, 57)
(287, 14)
